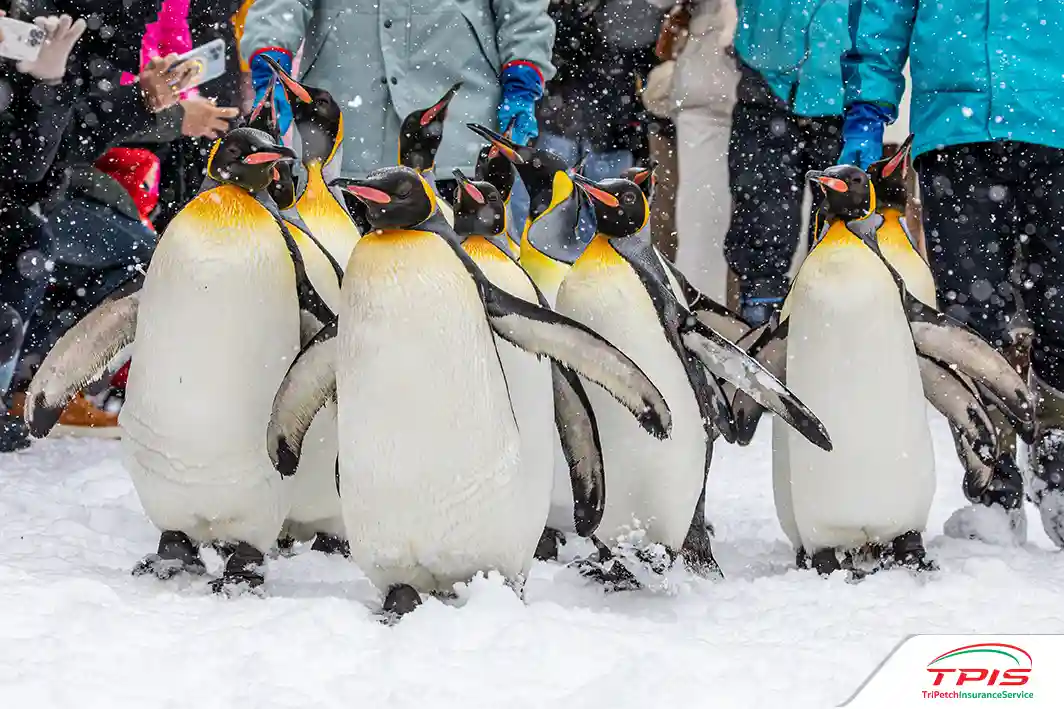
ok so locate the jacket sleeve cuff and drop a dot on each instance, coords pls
(530, 65)
(128, 102)
(53, 95)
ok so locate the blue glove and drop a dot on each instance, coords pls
(262, 75)
(862, 134)
(522, 86)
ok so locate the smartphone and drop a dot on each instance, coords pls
(22, 41)
(208, 60)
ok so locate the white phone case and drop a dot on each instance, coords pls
(209, 60)
(22, 41)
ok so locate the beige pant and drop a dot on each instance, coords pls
(703, 198)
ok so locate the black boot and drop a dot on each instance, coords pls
(401, 599)
(177, 554)
(243, 571)
(549, 541)
(760, 299)
(328, 544)
(802, 559)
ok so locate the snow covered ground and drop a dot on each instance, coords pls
(76, 630)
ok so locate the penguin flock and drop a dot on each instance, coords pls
(413, 381)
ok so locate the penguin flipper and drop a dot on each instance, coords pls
(308, 385)
(768, 345)
(957, 399)
(726, 360)
(713, 314)
(579, 435)
(946, 340)
(79, 355)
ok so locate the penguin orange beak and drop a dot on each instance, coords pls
(263, 157)
(364, 192)
(832, 183)
(290, 84)
(595, 192)
(648, 173)
(469, 188)
(901, 158)
(505, 146)
(432, 113)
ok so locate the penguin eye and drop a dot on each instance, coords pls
(628, 198)
(403, 190)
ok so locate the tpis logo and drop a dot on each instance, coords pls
(982, 666)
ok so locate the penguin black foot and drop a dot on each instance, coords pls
(697, 553)
(329, 544)
(285, 546)
(908, 550)
(177, 554)
(401, 599)
(243, 571)
(825, 562)
(608, 570)
(549, 541)
(802, 559)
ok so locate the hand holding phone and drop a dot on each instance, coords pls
(202, 64)
(21, 41)
(41, 48)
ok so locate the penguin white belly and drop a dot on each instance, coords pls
(851, 359)
(531, 389)
(315, 504)
(650, 484)
(432, 484)
(217, 329)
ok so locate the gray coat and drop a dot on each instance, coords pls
(382, 59)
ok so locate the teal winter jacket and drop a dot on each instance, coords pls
(982, 70)
(796, 45)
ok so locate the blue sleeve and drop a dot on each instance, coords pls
(880, 31)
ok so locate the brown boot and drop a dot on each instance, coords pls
(81, 418)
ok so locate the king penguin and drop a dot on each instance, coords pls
(432, 479)
(558, 434)
(496, 168)
(420, 136)
(549, 241)
(217, 320)
(620, 286)
(320, 125)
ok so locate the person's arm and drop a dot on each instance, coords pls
(524, 33)
(880, 31)
(35, 122)
(274, 28)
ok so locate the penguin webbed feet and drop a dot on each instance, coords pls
(331, 544)
(907, 550)
(177, 554)
(549, 543)
(244, 572)
(401, 599)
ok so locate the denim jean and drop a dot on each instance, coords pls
(91, 250)
(599, 166)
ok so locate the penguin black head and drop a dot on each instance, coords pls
(645, 177)
(421, 133)
(479, 209)
(315, 114)
(889, 177)
(848, 192)
(284, 189)
(538, 168)
(496, 168)
(247, 158)
(621, 208)
(395, 197)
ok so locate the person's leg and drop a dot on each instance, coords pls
(969, 194)
(703, 199)
(821, 144)
(1041, 215)
(763, 166)
(663, 210)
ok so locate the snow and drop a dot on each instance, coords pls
(78, 631)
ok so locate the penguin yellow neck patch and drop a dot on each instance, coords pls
(480, 249)
(222, 213)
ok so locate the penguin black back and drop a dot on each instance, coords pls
(421, 133)
(479, 209)
(396, 198)
(621, 207)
